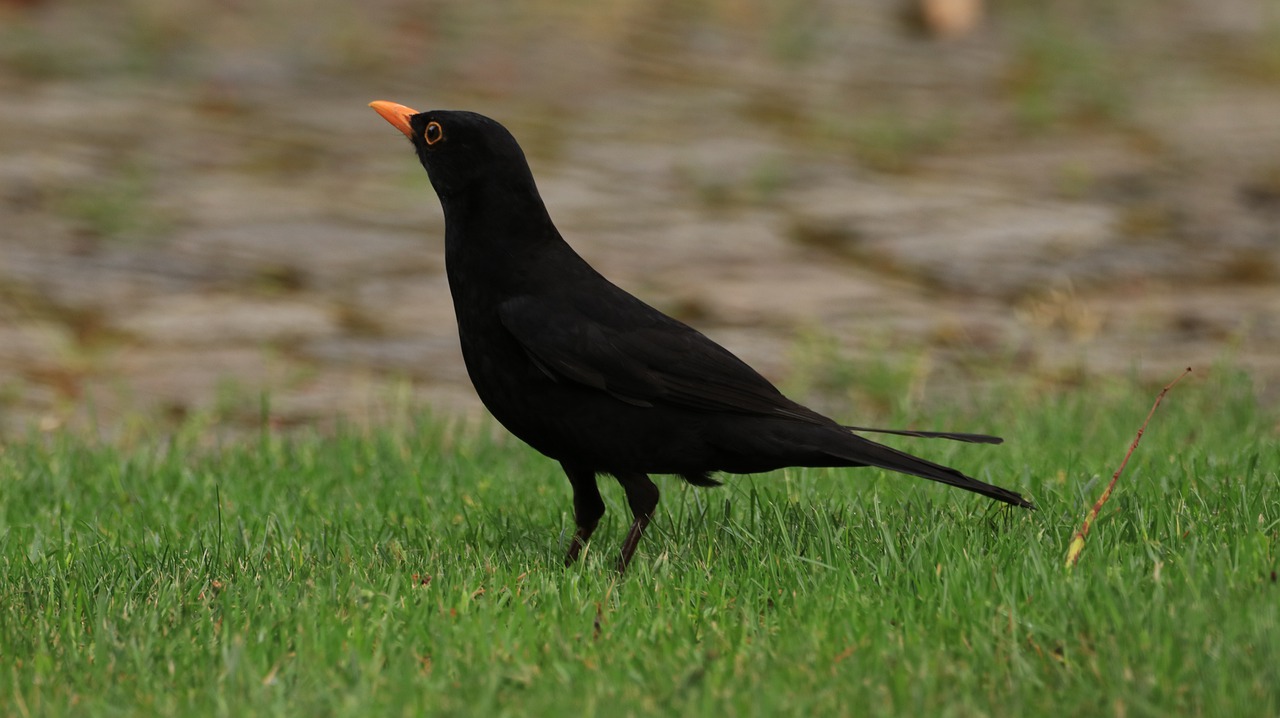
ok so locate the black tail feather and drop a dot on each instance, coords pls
(953, 435)
(859, 450)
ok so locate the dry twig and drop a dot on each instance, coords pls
(1077, 543)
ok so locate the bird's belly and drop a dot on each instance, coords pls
(573, 423)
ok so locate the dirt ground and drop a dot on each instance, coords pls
(197, 209)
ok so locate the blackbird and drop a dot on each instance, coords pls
(593, 377)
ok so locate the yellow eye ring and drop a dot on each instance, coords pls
(434, 133)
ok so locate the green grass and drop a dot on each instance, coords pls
(417, 570)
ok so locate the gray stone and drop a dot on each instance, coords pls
(224, 320)
(970, 239)
(326, 254)
(432, 358)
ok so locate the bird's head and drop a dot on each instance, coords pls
(459, 149)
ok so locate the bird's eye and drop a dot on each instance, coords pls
(434, 133)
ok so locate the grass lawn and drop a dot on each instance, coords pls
(417, 569)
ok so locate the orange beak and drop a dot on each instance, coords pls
(397, 115)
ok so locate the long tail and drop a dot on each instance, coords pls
(953, 435)
(860, 450)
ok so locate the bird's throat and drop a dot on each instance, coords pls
(499, 226)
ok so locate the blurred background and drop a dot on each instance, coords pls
(198, 210)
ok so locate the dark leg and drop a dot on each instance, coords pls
(588, 507)
(642, 495)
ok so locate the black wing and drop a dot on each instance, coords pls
(623, 347)
(638, 355)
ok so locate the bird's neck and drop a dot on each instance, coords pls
(492, 214)
(494, 234)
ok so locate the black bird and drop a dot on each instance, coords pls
(593, 377)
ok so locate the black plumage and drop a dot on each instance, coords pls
(590, 375)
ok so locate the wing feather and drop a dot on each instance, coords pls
(654, 360)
